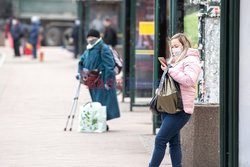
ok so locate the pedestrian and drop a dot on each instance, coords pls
(185, 70)
(99, 56)
(97, 23)
(34, 34)
(75, 36)
(16, 33)
(109, 35)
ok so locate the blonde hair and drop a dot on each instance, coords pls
(182, 38)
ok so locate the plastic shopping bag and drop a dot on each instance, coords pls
(92, 118)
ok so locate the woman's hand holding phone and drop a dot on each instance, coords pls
(163, 63)
(163, 67)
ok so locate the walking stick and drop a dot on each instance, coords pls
(73, 108)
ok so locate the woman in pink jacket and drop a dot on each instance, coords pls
(185, 70)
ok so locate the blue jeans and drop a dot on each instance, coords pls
(169, 133)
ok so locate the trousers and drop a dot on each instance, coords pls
(169, 133)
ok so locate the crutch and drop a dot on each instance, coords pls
(73, 108)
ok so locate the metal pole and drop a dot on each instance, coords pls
(132, 52)
(80, 33)
(156, 44)
(173, 15)
(229, 83)
(87, 15)
(160, 43)
(159, 48)
(124, 43)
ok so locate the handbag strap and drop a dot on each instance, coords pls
(162, 79)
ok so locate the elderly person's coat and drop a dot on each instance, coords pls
(99, 56)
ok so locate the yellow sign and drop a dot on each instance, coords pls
(144, 52)
(146, 28)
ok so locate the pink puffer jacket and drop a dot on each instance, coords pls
(186, 73)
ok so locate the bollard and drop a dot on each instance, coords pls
(41, 56)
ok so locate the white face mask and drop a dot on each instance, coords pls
(91, 40)
(176, 51)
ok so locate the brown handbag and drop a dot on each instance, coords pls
(90, 77)
(169, 98)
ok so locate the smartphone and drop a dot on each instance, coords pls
(162, 60)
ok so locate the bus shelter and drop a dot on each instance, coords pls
(147, 24)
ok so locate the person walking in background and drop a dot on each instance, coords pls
(75, 36)
(109, 35)
(16, 33)
(34, 34)
(99, 56)
(97, 23)
(185, 70)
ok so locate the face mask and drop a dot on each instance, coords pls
(91, 40)
(176, 51)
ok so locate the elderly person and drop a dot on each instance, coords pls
(99, 56)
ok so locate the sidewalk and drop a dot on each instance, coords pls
(35, 99)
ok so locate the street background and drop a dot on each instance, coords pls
(35, 99)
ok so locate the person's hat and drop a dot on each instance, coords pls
(93, 33)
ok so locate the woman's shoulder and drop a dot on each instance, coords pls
(193, 58)
(192, 55)
(193, 52)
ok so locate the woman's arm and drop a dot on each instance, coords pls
(189, 76)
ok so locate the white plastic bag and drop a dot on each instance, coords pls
(92, 118)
